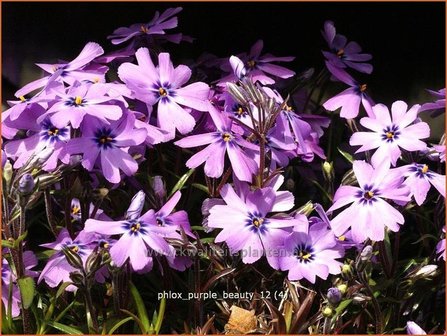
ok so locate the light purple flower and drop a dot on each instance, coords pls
(311, 252)
(222, 141)
(343, 53)
(258, 67)
(245, 225)
(436, 108)
(178, 220)
(79, 101)
(390, 133)
(419, 180)
(348, 100)
(156, 26)
(107, 146)
(57, 268)
(414, 329)
(70, 72)
(163, 86)
(369, 213)
(138, 234)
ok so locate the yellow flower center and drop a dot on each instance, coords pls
(104, 139)
(22, 99)
(162, 92)
(363, 87)
(389, 135)
(369, 195)
(53, 131)
(258, 222)
(251, 63)
(340, 53)
(75, 249)
(144, 29)
(75, 210)
(305, 256)
(424, 169)
(78, 100)
(135, 227)
(226, 137)
(342, 238)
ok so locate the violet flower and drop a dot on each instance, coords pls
(343, 53)
(79, 101)
(348, 100)
(369, 213)
(246, 227)
(391, 132)
(414, 329)
(156, 26)
(107, 146)
(138, 234)
(436, 108)
(178, 220)
(69, 72)
(222, 141)
(419, 179)
(310, 252)
(163, 86)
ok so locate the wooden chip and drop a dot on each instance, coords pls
(241, 321)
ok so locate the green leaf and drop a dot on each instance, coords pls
(65, 328)
(119, 324)
(197, 228)
(27, 289)
(161, 313)
(20, 239)
(346, 155)
(342, 306)
(136, 319)
(141, 309)
(7, 244)
(181, 182)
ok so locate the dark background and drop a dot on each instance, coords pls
(407, 40)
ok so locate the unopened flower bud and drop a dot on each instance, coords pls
(346, 271)
(360, 298)
(327, 312)
(414, 329)
(342, 288)
(7, 171)
(26, 184)
(72, 256)
(159, 187)
(76, 278)
(367, 253)
(306, 209)
(328, 171)
(136, 205)
(427, 271)
(334, 296)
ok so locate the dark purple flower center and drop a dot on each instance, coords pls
(75, 248)
(135, 227)
(75, 101)
(239, 111)
(368, 194)
(340, 53)
(163, 91)
(421, 170)
(305, 254)
(51, 133)
(390, 133)
(144, 29)
(104, 244)
(104, 138)
(256, 222)
(251, 64)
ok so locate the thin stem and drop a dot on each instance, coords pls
(49, 213)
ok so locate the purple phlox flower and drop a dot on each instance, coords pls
(58, 269)
(10, 279)
(138, 233)
(419, 180)
(414, 329)
(179, 219)
(438, 106)
(390, 133)
(235, 110)
(258, 67)
(440, 247)
(154, 135)
(163, 86)
(70, 72)
(245, 225)
(107, 146)
(40, 136)
(348, 100)
(369, 213)
(76, 214)
(222, 141)
(79, 101)
(343, 53)
(294, 126)
(156, 26)
(440, 152)
(316, 122)
(310, 251)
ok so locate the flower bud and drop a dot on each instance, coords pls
(76, 278)
(426, 271)
(72, 256)
(7, 171)
(26, 184)
(159, 187)
(346, 271)
(342, 288)
(327, 312)
(136, 205)
(414, 329)
(328, 171)
(334, 296)
(367, 253)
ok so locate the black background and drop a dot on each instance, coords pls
(407, 40)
